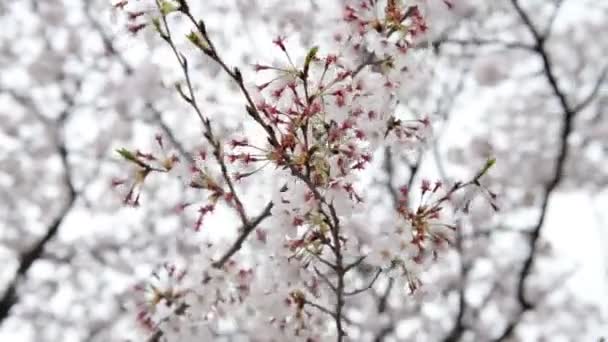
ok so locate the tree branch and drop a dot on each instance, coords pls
(245, 231)
(27, 258)
(567, 126)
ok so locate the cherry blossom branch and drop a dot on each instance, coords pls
(190, 98)
(207, 47)
(300, 168)
(248, 226)
(244, 233)
(390, 172)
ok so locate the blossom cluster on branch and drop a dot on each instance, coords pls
(322, 117)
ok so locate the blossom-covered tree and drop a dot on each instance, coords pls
(279, 157)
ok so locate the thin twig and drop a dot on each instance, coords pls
(369, 285)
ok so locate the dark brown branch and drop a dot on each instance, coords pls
(325, 310)
(9, 298)
(354, 264)
(523, 15)
(567, 126)
(325, 279)
(245, 231)
(334, 224)
(209, 135)
(369, 285)
(248, 225)
(27, 258)
(320, 308)
(340, 272)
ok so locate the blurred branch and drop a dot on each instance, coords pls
(390, 174)
(480, 42)
(445, 106)
(369, 285)
(523, 15)
(569, 114)
(558, 6)
(382, 307)
(465, 267)
(245, 231)
(476, 311)
(27, 258)
(495, 230)
(594, 91)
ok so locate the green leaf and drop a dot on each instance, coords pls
(127, 155)
(312, 53)
(156, 24)
(196, 39)
(489, 163)
(167, 7)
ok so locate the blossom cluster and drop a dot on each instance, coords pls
(323, 116)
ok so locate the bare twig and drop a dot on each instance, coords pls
(209, 135)
(244, 233)
(369, 285)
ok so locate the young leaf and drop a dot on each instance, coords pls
(312, 53)
(167, 7)
(127, 155)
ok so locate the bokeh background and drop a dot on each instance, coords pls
(522, 81)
